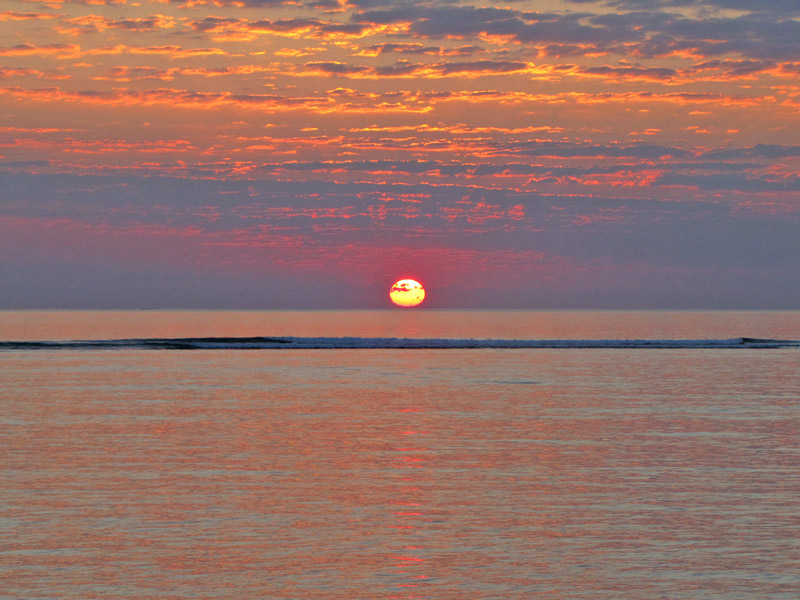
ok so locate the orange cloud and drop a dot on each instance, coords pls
(97, 23)
(206, 100)
(456, 129)
(11, 15)
(9, 72)
(402, 69)
(130, 73)
(36, 129)
(187, 98)
(480, 212)
(172, 51)
(237, 29)
(57, 50)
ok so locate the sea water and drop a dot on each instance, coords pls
(561, 472)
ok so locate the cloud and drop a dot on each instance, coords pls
(98, 23)
(18, 164)
(213, 100)
(238, 3)
(171, 51)
(645, 33)
(467, 22)
(659, 74)
(489, 135)
(226, 28)
(788, 7)
(663, 34)
(174, 97)
(572, 150)
(58, 50)
(60, 3)
(741, 183)
(334, 68)
(730, 68)
(9, 72)
(419, 49)
(11, 15)
(406, 69)
(132, 73)
(769, 151)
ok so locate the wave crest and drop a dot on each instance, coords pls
(361, 343)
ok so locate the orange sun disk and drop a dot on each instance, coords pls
(407, 292)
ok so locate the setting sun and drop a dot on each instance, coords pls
(407, 292)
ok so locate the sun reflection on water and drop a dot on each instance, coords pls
(409, 506)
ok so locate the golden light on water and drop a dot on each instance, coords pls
(407, 292)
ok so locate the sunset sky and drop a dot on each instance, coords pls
(529, 154)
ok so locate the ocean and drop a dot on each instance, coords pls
(400, 454)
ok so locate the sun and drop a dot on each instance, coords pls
(407, 292)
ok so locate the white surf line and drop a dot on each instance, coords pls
(361, 343)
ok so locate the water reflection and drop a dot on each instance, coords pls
(391, 474)
(410, 509)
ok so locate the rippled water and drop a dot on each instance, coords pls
(438, 474)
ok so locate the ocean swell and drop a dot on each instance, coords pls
(361, 343)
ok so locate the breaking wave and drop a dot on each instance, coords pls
(359, 343)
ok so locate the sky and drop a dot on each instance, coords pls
(306, 154)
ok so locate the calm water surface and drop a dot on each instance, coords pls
(435, 474)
